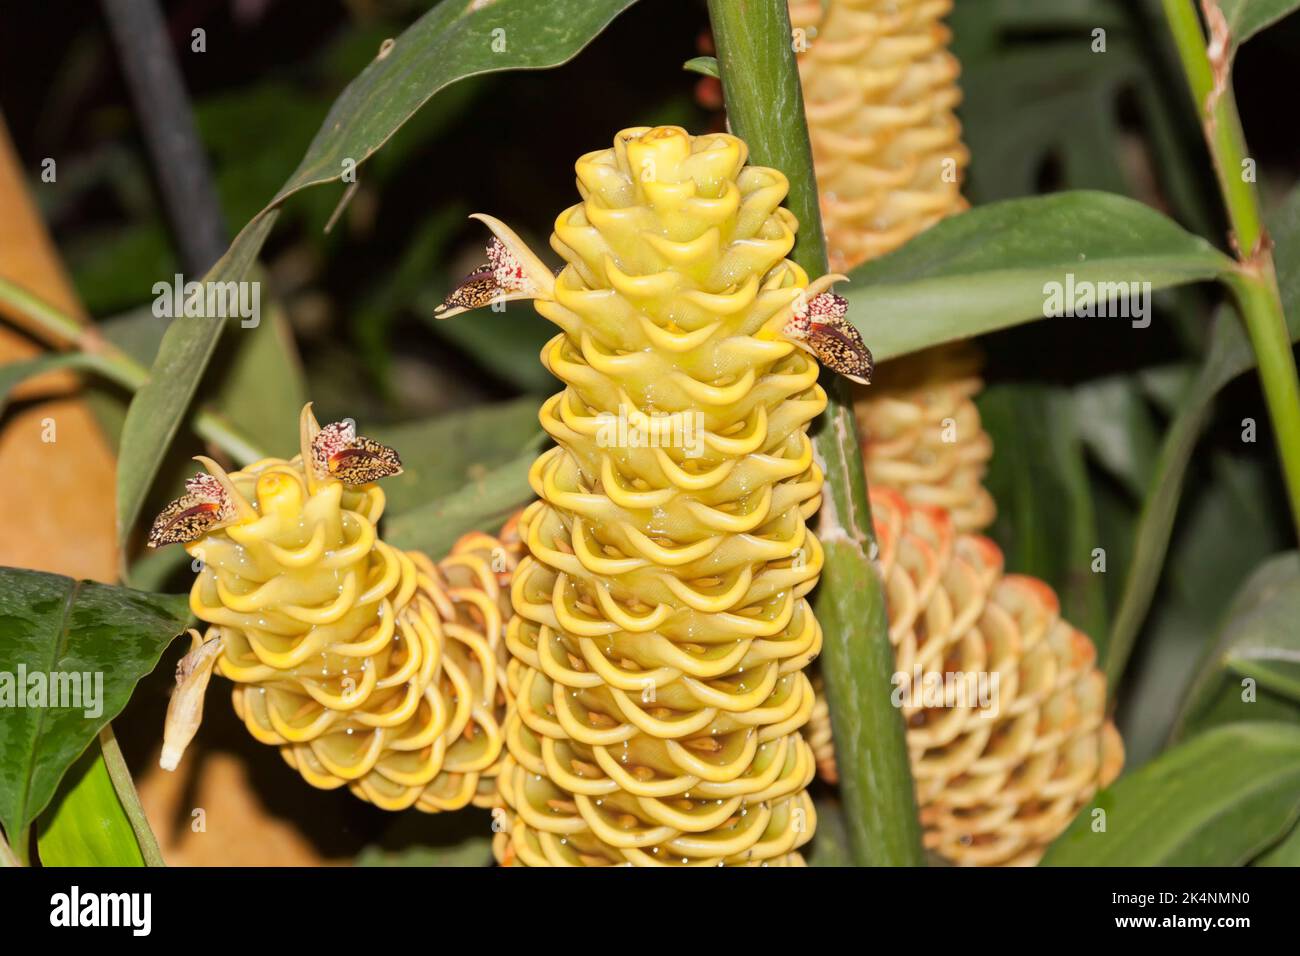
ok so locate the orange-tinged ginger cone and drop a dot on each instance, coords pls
(1004, 706)
(369, 667)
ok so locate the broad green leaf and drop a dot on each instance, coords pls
(157, 409)
(1285, 852)
(987, 268)
(451, 452)
(1227, 527)
(507, 343)
(1215, 800)
(1248, 17)
(444, 839)
(1258, 643)
(1117, 426)
(260, 386)
(14, 374)
(481, 505)
(452, 41)
(1045, 522)
(1229, 354)
(85, 824)
(108, 637)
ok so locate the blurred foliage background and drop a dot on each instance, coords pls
(1076, 407)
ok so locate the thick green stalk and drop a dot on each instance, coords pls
(765, 108)
(106, 359)
(1255, 284)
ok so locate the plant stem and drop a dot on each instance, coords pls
(765, 108)
(129, 798)
(23, 846)
(112, 363)
(1255, 283)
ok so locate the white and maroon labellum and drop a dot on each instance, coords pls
(204, 506)
(820, 325)
(339, 452)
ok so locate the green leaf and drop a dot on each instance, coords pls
(50, 624)
(1248, 17)
(158, 407)
(482, 505)
(1227, 527)
(1216, 800)
(506, 344)
(450, 452)
(261, 388)
(1259, 641)
(1045, 522)
(1117, 426)
(703, 65)
(986, 269)
(447, 44)
(444, 839)
(85, 825)
(1228, 355)
(1284, 853)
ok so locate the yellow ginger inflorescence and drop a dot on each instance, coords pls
(880, 88)
(921, 434)
(662, 626)
(1000, 768)
(367, 666)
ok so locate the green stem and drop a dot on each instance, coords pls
(127, 795)
(23, 846)
(59, 330)
(765, 108)
(1255, 284)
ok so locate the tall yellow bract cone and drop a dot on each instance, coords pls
(879, 91)
(661, 626)
(367, 666)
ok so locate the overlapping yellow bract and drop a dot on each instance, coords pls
(880, 87)
(367, 666)
(661, 624)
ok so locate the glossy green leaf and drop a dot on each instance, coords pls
(1247, 17)
(1215, 800)
(50, 624)
(1227, 527)
(987, 268)
(481, 505)
(1258, 648)
(1285, 852)
(444, 839)
(451, 452)
(452, 41)
(1116, 424)
(85, 824)
(1228, 355)
(157, 409)
(1045, 523)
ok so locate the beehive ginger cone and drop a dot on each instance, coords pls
(880, 89)
(369, 667)
(1004, 706)
(662, 627)
(922, 436)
